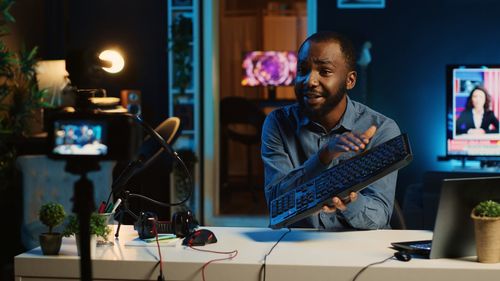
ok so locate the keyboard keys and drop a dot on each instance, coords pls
(350, 175)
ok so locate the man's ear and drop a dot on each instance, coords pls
(351, 79)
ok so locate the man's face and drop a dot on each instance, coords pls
(323, 78)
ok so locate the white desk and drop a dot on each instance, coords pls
(302, 255)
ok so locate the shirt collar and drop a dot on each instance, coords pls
(349, 117)
(346, 122)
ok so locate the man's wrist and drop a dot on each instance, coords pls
(325, 156)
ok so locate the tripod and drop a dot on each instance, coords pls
(83, 206)
(123, 210)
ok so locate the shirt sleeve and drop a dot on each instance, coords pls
(374, 206)
(281, 174)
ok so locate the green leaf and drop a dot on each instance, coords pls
(5, 7)
(487, 208)
(4, 30)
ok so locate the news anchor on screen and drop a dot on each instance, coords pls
(477, 118)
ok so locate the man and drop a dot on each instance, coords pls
(324, 127)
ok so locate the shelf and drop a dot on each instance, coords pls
(182, 8)
(186, 106)
(174, 91)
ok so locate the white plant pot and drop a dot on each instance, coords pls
(93, 244)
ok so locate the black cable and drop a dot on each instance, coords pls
(165, 145)
(272, 248)
(371, 264)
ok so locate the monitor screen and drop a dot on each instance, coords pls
(80, 137)
(269, 68)
(473, 93)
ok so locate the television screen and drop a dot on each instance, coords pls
(473, 107)
(269, 68)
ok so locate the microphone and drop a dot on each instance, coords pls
(150, 149)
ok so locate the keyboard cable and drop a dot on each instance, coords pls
(263, 269)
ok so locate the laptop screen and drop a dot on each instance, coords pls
(454, 230)
(453, 234)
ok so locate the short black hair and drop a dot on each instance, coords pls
(346, 46)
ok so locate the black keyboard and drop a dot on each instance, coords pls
(348, 176)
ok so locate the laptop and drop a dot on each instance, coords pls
(453, 235)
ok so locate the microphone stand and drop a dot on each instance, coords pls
(124, 209)
(139, 165)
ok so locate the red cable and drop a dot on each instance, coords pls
(158, 246)
(232, 254)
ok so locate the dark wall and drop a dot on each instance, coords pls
(139, 28)
(412, 43)
(72, 30)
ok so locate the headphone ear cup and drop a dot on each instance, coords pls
(183, 223)
(144, 225)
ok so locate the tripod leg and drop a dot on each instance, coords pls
(120, 219)
(83, 206)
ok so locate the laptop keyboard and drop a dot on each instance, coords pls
(422, 246)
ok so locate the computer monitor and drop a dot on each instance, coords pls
(269, 68)
(473, 133)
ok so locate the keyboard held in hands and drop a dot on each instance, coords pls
(351, 175)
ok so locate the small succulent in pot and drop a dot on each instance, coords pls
(51, 214)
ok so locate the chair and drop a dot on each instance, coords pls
(397, 218)
(45, 180)
(241, 121)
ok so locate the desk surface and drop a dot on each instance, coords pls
(301, 255)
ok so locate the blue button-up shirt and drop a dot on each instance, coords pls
(290, 146)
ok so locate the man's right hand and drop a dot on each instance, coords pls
(348, 141)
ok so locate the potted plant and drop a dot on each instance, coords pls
(51, 215)
(20, 97)
(486, 216)
(98, 228)
(180, 45)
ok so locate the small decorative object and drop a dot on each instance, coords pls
(51, 215)
(486, 216)
(98, 228)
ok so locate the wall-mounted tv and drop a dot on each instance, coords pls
(473, 107)
(269, 68)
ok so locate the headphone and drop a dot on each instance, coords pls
(182, 224)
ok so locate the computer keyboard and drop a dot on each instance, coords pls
(351, 175)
